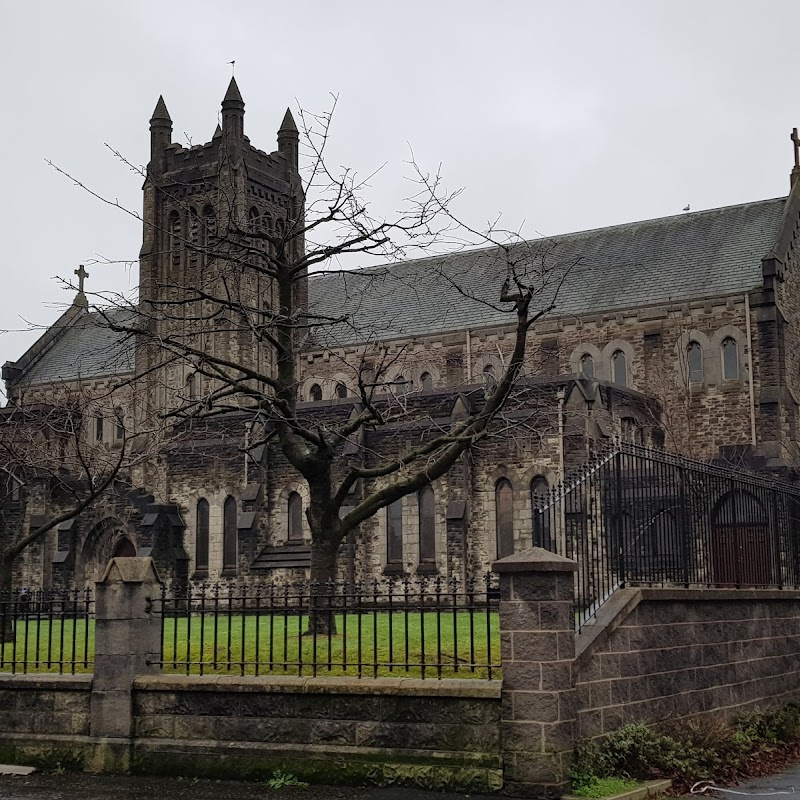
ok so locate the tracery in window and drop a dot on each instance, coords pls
(315, 393)
(341, 390)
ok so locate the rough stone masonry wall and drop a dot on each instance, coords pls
(55, 707)
(698, 418)
(659, 654)
(439, 734)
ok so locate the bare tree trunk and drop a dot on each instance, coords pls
(322, 598)
(6, 617)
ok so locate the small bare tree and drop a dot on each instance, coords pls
(49, 459)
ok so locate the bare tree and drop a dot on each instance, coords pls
(223, 324)
(51, 461)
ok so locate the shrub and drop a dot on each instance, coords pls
(687, 751)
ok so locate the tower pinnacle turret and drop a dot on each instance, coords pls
(233, 111)
(289, 139)
(160, 129)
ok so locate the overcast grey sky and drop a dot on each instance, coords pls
(561, 115)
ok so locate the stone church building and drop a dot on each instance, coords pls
(681, 332)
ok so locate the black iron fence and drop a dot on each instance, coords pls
(49, 630)
(637, 516)
(403, 628)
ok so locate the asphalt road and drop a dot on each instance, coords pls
(72, 786)
(776, 787)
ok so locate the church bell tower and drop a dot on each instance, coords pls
(200, 202)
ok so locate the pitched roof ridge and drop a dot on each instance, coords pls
(387, 266)
(50, 337)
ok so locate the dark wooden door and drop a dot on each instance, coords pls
(742, 555)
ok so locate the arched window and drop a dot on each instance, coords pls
(539, 489)
(587, 366)
(201, 537)
(630, 430)
(229, 534)
(541, 518)
(427, 525)
(504, 517)
(341, 391)
(194, 239)
(394, 532)
(266, 226)
(315, 393)
(174, 228)
(208, 230)
(489, 377)
(426, 381)
(295, 508)
(191, 387)
(619, 368)
(400, 385)
(730, 359)
(694, 357)
(253, 219)
(119, 424)
(99, 424)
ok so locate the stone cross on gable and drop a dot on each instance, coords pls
(83, 274)
(796, 140)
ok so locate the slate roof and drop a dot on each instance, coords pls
(672, 259)
(87, 349)
(689, 256)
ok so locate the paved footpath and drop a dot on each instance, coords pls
(47, 786)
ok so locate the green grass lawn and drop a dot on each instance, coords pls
(38, 646)
(384, 644)
(451, 645)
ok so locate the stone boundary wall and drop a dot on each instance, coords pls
(44, 717)
(648, 656)
(660, 654)
(439, 734)
(435, 734)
